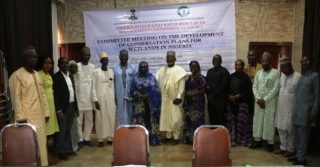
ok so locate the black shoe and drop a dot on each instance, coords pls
(72, 154)
(293, 159)
(188, 141)
(63, 156)
(270, 147)
(100, 144)
(109, 142)
(88, 143)
(256, 144)
(289, 154)
(304, 163)
(80, 144)
(166, 140)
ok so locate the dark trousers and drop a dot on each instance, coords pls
(64, 144)
(302, 134)
(217, 111)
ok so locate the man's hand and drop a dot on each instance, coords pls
(144, 97)
(97, 105)
(210, 98)
(177, 101)
(261, 103)
(232, 99)
(76, 114)
(312, 117)
(60, 115)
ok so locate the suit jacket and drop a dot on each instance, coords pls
(61, 92)
(218, 81)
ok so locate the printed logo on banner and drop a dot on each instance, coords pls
(183, 11)
(133, 15)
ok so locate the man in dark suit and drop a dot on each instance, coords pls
(66, 106)
(218, 88)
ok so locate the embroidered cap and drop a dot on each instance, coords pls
(285, 60)
(103, 55)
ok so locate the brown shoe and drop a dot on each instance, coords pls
(279, 151)
(100, 144)
(176, 141)
(51, 160)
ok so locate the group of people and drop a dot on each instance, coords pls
(287, 101)
(250, 102)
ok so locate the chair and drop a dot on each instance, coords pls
(131, 146)
(211, 146)
(4, 110)
(20, 145)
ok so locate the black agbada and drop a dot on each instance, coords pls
(218, 90)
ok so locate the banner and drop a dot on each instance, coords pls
(194, 31)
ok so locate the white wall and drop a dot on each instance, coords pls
(55, 48)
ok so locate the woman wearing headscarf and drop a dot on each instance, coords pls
(74, 129)
(146, 100)
(240, 106)
(194, 102)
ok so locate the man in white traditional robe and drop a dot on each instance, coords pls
(103, 89)
(29, 100)
(266, 90)
(171, 80)
(288, 82)
(305, 110)
(85, 97)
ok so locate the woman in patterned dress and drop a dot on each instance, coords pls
(240, 107)
(194, 102)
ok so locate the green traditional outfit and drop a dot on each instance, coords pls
(266, 86)
(52, 124)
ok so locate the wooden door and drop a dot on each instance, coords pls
(275, 48)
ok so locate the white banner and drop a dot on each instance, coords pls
(194, 31)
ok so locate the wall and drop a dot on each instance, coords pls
(298, 33)
(256, 20)
(267, 21)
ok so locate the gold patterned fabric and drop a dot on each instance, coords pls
(251, 71)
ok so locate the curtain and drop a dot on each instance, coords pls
(311, 37)
(311, 48)
(24, 23)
